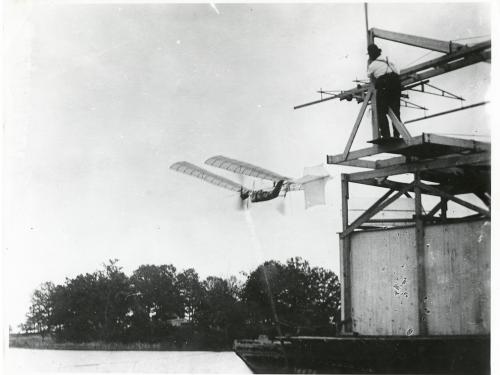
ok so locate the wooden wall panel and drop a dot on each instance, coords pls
(458, 278)
(384, 284)
(384, 291)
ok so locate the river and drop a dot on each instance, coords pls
(62, 361)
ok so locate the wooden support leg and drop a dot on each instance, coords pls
(420, 248)
(361, 113)
(375, 131)
(345, 260)
(399, 126)
(444, 209)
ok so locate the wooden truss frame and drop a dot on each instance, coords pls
(443, 167)
(432, 160)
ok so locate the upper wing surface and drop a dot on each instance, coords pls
(251, 170)
(241, 167)
(195, 171)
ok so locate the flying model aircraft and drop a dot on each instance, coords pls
(312, 183)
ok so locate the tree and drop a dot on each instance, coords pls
(38, 317)
(158, 300)
(293, 298)
(191, 292)
(220, 315)
(115, 290)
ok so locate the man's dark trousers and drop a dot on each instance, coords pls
(388, 95)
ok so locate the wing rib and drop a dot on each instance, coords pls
(195, 171)
(251, 170)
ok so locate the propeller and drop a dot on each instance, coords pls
(283, 206)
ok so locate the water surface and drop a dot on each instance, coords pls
(38, 360)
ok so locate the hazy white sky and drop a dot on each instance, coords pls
(102, 99)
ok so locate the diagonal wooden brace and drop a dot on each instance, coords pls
(357, 123)
(399, 126)
(375, 208)
(453, 198)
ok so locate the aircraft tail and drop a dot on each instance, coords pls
(313, 183)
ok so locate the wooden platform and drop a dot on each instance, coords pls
(370, 354)
(459, 165)
(425, 145)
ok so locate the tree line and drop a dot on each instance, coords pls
(158, 304)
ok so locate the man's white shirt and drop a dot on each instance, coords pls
(380, 66)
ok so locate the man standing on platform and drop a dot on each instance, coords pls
(385, 76)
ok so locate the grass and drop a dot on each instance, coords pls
(34, 341)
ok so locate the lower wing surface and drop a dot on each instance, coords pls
(195, 171)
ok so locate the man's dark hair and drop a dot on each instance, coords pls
(374, 51)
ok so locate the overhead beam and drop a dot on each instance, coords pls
(476, 48)
(445, 67)
(445, 162)
(417, 41)
(437, 66)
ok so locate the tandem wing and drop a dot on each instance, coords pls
(251, 170)
(195, 171)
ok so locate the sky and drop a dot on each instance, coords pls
(101, 99)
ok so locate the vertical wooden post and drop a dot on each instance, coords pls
(420, 249)
(444, 209)
(369, 37)
(370, 40)
(345, 258)
(375, 131)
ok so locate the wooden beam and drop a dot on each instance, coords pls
(454, 199)
(446, 67)
(382, 163)
(444, 208)
(378, 206)
(357, 123)
(445, 162)
(359, 163)
(389, 184)
(462, 53)
(435, 209)
(417, 41)
(375, 130)
(373, 150)
(399, 125)
(395, 220)
(484, 198)
(446, 112)
(456, 142)
(440, 65)
(420, 248)
(345, 259)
